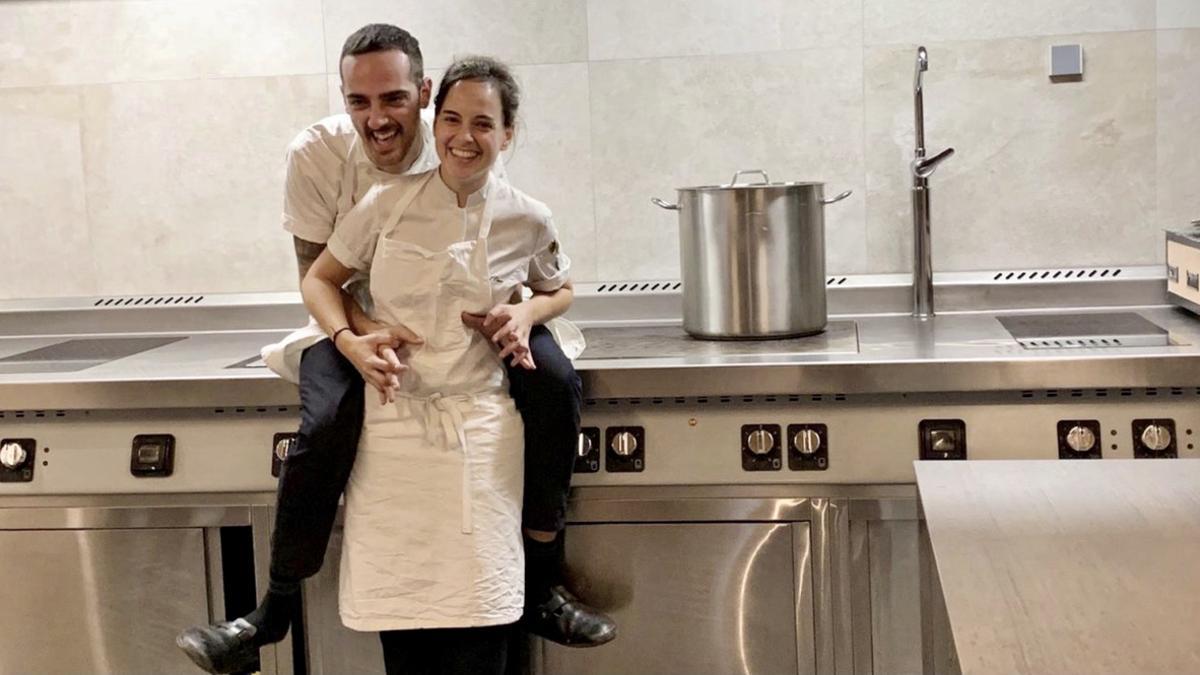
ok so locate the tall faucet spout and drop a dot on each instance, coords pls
(919, 98)
(921, 168)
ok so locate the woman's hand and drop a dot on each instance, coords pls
(374, 357)
(507, 326)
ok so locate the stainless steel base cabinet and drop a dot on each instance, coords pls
(99, 601)
(692, 598)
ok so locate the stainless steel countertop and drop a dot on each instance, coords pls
(951, 352)
(1067, 567)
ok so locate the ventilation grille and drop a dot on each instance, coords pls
(1050, 275)
(148, 300)
(698, 401)
(31, 414)
(256, 410)
(670, 286)
(1125, 392)
(640, 287)
(1078, 343)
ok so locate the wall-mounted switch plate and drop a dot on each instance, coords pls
(1066, 63)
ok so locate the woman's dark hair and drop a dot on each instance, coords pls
(382, 37)
(485, 69)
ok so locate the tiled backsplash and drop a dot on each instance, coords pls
(143, 140)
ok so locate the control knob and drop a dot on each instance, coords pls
(12, 455)
(1156, 437)
(624, 443)
(283, 447)
(1081, 439)
(584, 447)
(760, 441)
(807, 441)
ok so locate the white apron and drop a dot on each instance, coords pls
(433, 505)
(283, 357)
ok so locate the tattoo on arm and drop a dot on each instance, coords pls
(307, 253)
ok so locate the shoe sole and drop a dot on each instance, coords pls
(195, 651)
(607, 638)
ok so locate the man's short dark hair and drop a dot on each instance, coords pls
(381, 37)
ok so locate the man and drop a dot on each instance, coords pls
(330, 166)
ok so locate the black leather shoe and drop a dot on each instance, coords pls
(226, 647)
(567, 621)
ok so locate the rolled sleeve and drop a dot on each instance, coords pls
(549, 267)
(311, 185)
(353, 241)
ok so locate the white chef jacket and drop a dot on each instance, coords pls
(316, 195)
(523, 246)
(328, 173)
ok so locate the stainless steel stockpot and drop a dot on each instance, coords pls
(753, 258)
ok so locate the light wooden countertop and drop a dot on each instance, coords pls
(1068, 566)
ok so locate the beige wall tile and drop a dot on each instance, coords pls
(334, 84)
(904, 21)
(517, 31)
(666, 123)
(636, 29)
(552, 159)
(47, 252)
(1046, 174)
(188, 198)
(97, 41)
(1178, 127)
(1179, 13)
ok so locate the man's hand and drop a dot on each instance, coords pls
(507, 326)
(399, 334)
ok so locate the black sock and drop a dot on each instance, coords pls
(544, 563)
(273, 616)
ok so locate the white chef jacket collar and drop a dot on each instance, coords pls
(476, 198)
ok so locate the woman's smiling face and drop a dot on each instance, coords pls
(469, 131)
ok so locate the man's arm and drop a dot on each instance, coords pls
(307, 253)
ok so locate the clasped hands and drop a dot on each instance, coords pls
(378, 352)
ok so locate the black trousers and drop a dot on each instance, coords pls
(446, 651)
(331, 415)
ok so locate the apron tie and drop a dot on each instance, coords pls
(445, 413)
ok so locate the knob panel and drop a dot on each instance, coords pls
(281, 446)
(1079, 439)
(18, 456)
(761, 447)
(587, 450)
(942, 439)
(808, 447)
(152, 456)
(1154, 439)
(624, 449)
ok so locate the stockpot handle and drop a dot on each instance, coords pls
(766, 179)
(838, 198)
(664, 205)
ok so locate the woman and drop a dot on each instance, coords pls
(432, 555)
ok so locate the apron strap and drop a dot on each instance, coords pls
(450, 418)
(406, 199)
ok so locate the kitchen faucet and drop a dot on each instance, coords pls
(922, 167)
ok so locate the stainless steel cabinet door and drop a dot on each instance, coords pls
(693, 598)
(99, 601)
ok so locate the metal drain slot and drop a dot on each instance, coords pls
(1084, 331)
